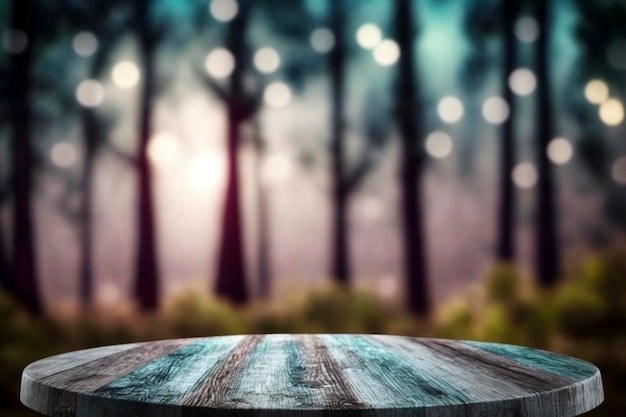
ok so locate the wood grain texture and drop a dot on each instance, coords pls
(311, 375)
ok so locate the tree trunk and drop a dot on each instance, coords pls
(231, 282)
(147, 268)
(547, 252)
(90, 130)
(505, 246)
(5, 278)
(24, 271)
(340, 226)
(93, 138)
(264, 242)
(412, 163)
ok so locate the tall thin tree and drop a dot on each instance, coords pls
(546, 239)
(412, 161)
(505, 245)
(24, 282)
(146, 282)
(231, 280)
(340, 255)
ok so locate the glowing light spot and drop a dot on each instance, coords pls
(277, 169)
(450, 109)
(109, 294)
(387, 53)
(387, 287)
(496, 110)
(560, 151)
(163, 149)
(85, 44)
(612, 112)
(617, 54)
(277, 94)
(596, 91)
(526, 29)
(125, 74)
(207, 172)
(224, 10)
(525, 175)
(522, 82)
(368, 36)
(14, 41)
(322, 40)
(220, 63)
(618, 171)
(63, 154)
(90, 93)
(371, 208)
(267, 60)
(438, 145)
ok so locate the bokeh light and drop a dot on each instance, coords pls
(438, 145)
(526, 29)
(387, 287)
(267, 60)
(371, 208)
(90, 93)
(387, 53)
(612, 112)
(125, 74)
(14, 41)
(616, 54)
(522, 82)
(618, 171)
(85, 44)
(63, 154)
(277, 169)
(596, 91)
(450, 109)
(224, 10)
(322, 40)
(277, 94)
(560, 151)
(207, 172)
(163, 148)
(525, 175)
(368, 36)
(495, 110)
(219, 63)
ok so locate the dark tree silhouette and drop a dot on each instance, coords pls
(599, 23)
(146, 282)
(241, 105)
(4, 261)
(24, 281)
(337, 61)
(412, 162)
(505, 245)
(547, 242)
(480, 25)
(108, 32)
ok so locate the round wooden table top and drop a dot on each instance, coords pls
(306, 375)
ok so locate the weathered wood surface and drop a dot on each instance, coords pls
(311, 375)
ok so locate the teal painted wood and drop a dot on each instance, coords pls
(311, 375)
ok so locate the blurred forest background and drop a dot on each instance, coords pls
(174, 168)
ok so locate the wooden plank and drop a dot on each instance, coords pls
(565, 366)
(55, 394)
(171, 377)
(214, 387)
(65, 361)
